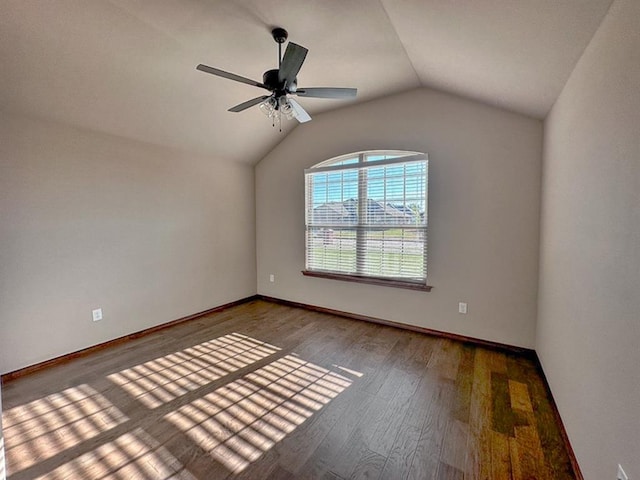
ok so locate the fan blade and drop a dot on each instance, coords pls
(230, 76)
(301, 115)
(292, 61)
(248, 104)
(322, 92)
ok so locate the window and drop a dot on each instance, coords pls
(366, 218)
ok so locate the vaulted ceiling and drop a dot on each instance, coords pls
(127, 67)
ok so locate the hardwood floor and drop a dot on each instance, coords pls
(266, 391)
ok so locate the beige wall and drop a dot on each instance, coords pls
(483, 213)
(89, 220)
(589, 310)
(3, 470)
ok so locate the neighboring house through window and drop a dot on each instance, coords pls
(366, 218)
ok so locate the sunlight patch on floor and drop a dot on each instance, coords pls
(240, 421)
(70, 434)
(163, 379)
(3, 470)
(134, 455)
(44, 427)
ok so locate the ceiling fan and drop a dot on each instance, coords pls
(282, 83)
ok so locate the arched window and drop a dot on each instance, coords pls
(366, 218)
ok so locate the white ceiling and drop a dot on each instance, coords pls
(127, 67)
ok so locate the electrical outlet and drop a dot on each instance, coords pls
(97, 314)
(462, 307)
(272, 277)
(621, 474)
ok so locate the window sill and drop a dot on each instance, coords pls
(385, 282)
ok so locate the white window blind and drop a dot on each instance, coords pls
(366, 215)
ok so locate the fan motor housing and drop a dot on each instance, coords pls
(271, 80)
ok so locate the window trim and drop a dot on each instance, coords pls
(383, 281)
(334, 164)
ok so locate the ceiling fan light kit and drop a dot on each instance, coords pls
(282, 83)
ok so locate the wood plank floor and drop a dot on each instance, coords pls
(265, 391)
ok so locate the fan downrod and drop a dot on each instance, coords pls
(279, 34)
